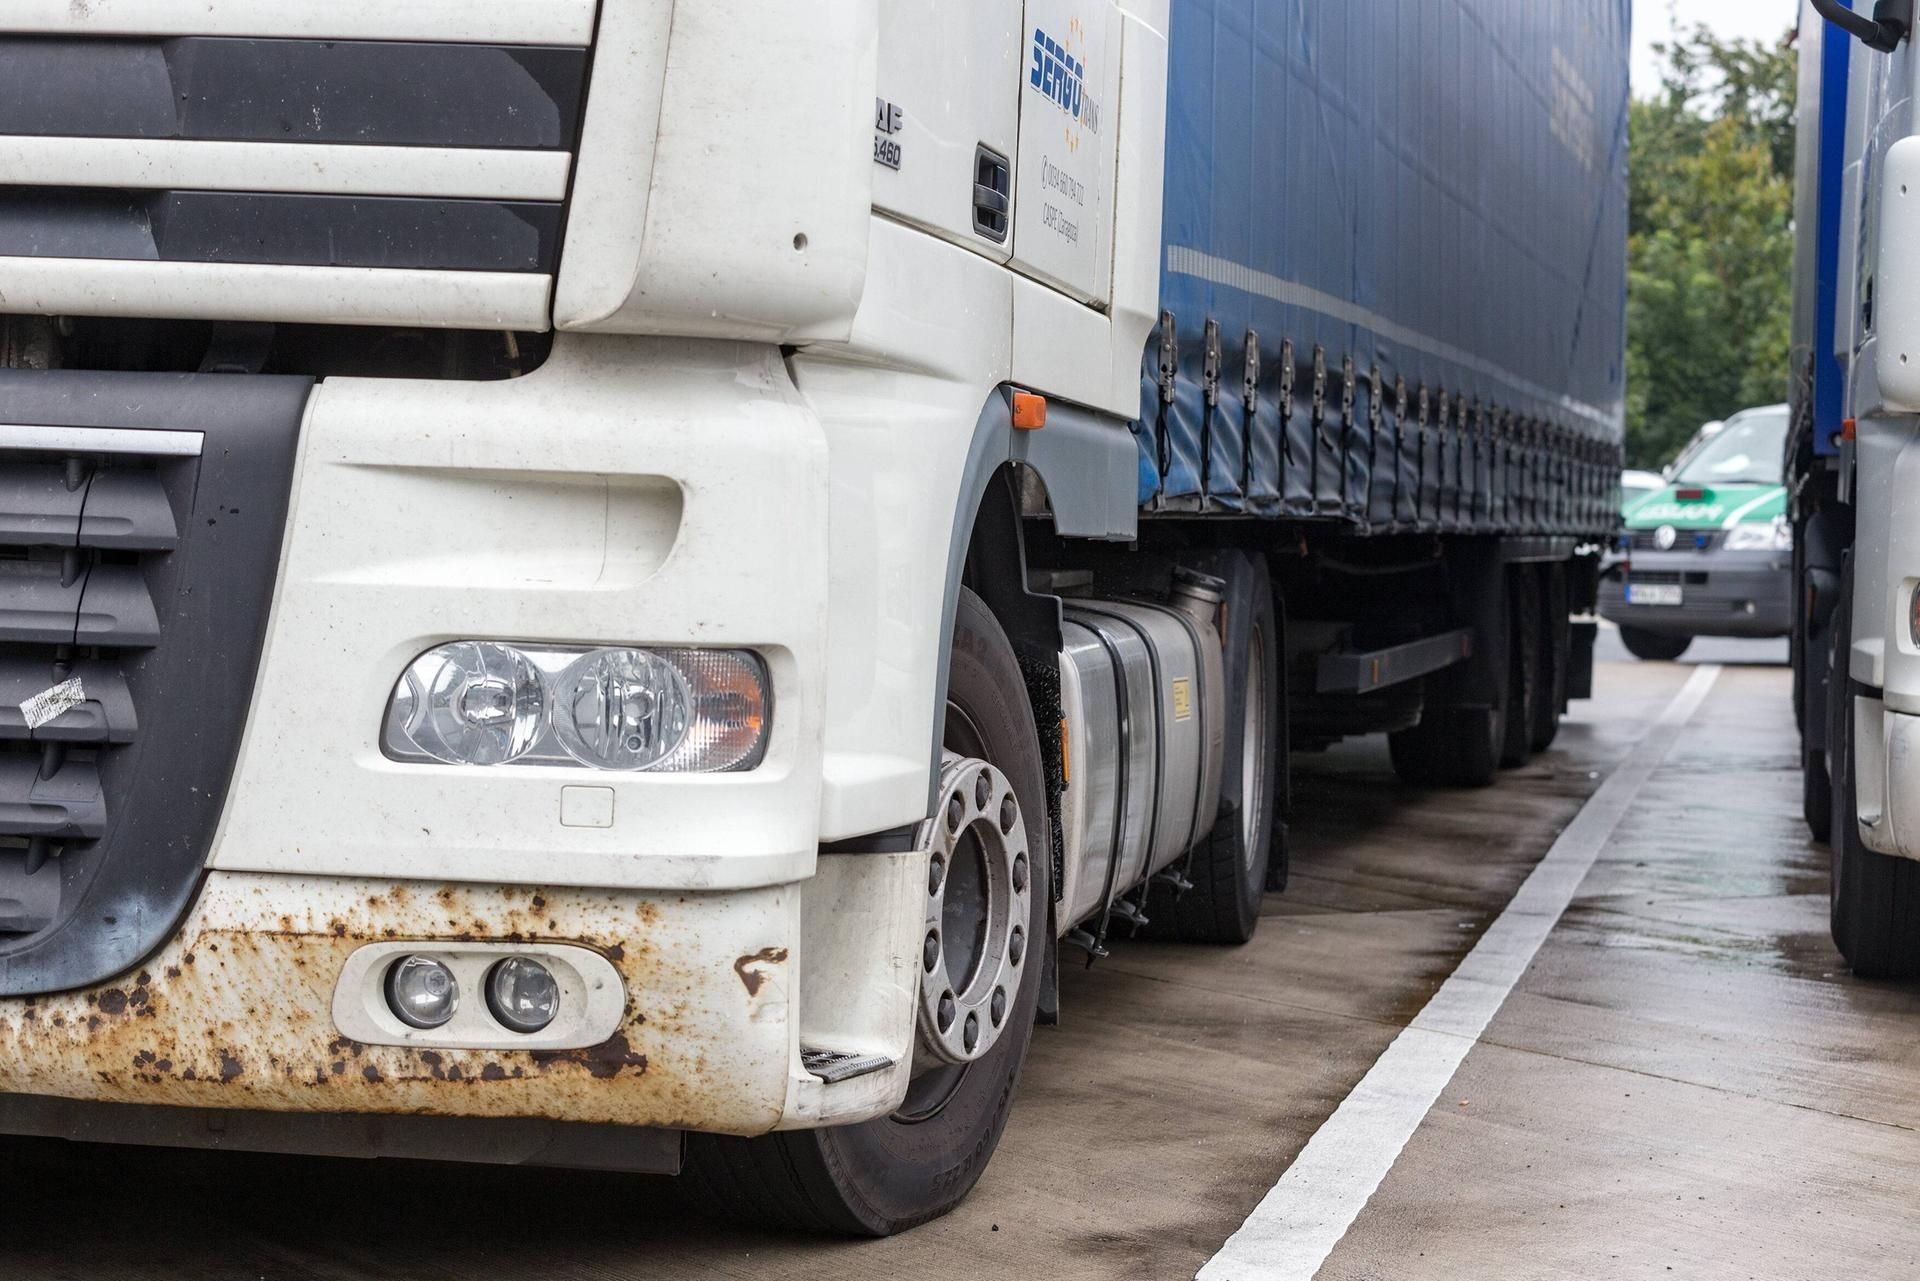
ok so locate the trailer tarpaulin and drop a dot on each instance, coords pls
(1394, 282)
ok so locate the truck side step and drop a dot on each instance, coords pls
(1381, 668)
(834, 1066)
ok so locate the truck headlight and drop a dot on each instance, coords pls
(1775, 536)
(471, 703)
(692, 711)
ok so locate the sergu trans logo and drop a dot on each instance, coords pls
(1062, 79)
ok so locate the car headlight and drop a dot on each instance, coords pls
(686, 711)
(1775, 536)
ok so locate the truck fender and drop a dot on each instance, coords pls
(1088, 465)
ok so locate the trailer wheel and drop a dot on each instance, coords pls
(1458, 744)
(1875, 898)
(1524, 693)
(1556, 647)
(1229, 868)
(1654, 647)
(886, 1175)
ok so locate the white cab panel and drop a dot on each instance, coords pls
(950, 77)
(1061, 348)
(1898, 284)
(1139, 200)
(745, 212)
(1070, 91)
(562, 22)
(275, 294)
(452, 173)
(898, 406)
(661, 492)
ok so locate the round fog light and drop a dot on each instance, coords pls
(522, 994)
(421, 992)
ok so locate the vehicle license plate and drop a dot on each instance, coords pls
(1653, 594)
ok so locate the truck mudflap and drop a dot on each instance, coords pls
(234, 1012)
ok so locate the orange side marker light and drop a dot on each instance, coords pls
(1029, 411)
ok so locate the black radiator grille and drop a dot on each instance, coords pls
(141, 518)
(75, 536)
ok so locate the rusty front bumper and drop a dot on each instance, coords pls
(234, 1013)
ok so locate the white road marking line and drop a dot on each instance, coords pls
(1296, 1226)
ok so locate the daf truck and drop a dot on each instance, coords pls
(623, 583)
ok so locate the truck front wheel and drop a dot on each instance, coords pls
(892, 1173)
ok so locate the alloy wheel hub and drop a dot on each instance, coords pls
(979, 889)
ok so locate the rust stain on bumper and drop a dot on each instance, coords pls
(235, 1011)
(752, 969)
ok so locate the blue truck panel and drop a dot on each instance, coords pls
(1427, 197)
(1829, 380)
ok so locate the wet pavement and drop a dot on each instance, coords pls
(1685, 1082)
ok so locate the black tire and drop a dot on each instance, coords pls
(1457, 745)
(1816, 795)
(1556, 655)
(1654, 647)
(1229, 868)
(1524, 694)
(1450, 747)
(1419, 758)
(1797, 649)
(890, 1174)
(1875, 898)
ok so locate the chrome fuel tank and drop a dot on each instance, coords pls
(1143, 691)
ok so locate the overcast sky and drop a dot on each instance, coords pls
(1653, 22)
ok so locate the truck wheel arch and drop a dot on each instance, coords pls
(1087, 464)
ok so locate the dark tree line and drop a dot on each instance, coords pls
(1709, 300)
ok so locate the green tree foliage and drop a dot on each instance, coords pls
(1710, 249)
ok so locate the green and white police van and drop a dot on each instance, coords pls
(1711, 554)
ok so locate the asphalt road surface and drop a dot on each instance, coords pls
(1672, 1073)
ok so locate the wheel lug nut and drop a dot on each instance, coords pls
(956, 810)
(930, 954)
(999, 1005)
(936, 874)
(1009, 815)
(1017, 945)
(1020, 872)
(982, 790)
(946, 1011)
(970, 1034)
